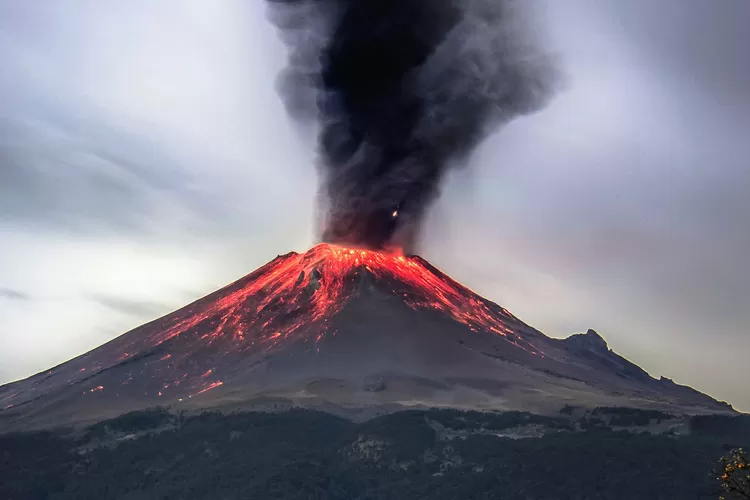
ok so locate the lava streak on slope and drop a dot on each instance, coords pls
(271, 334)
(293, 297)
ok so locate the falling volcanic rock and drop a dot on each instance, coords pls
(339, 326)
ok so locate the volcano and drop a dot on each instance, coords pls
(344, 328)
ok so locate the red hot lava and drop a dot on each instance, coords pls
(297, 293)
(291, 299)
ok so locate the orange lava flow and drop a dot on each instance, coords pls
(298, 291)
(212, 385)
(293, 299)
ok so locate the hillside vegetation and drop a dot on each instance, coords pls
(435, 454)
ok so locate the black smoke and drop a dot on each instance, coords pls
(402, 90)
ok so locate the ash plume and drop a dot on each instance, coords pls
(402, 90)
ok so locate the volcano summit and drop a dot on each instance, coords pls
(351, 329)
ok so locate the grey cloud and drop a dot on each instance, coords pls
(89, 177)
(11, 294)
(131, 307)
(700, 43)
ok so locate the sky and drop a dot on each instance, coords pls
(147, 160)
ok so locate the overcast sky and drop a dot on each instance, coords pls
(146, 160)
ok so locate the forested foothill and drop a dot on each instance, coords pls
(607, 453)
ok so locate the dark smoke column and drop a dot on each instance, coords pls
(403, 90)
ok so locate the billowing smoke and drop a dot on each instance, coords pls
(402, 91)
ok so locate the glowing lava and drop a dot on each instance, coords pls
(293, 299)
(298, 293)
(330, 314)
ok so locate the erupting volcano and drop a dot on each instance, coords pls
(295, 295)
(342, 327)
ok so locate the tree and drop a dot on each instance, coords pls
(735, 475)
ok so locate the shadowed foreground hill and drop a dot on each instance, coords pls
(609, 453)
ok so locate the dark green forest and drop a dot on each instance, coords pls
(435, 454)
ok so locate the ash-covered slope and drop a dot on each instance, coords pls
(345, 327)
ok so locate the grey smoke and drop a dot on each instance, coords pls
(403, 91)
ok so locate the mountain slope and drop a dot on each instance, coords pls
(345, 327)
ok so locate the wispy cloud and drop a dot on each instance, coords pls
(11, 294)
(131, 307)
(87, 176)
